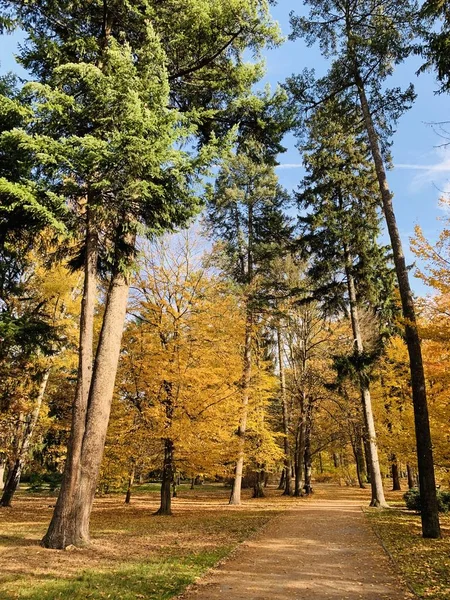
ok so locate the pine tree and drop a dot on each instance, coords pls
(341, 227)
(366, 40)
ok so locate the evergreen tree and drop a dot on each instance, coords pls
(366, 40)
(340, 231)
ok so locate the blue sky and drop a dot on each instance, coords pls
(421, 171)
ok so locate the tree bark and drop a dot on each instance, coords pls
(235, 498)
(396, 486)
(258, 490)
(287, 449)
(376, 481)
(70, 525)
(165, 508)
(130, 482)
(427, 483)
(307, 453)
(299, 453)
(2, 472)
(14, 473)
(410, 474)
(62, 525)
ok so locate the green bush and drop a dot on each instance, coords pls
(412, 500)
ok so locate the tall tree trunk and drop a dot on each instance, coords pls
(427, 483)
(307, 453)
(282, 477)
(376, 481)
(130, 482)
(165, 508)
(359, 457)
(287, 448)
(62, 525)
(410, 475)
(300, 452)
(395, 474)
(71, 522)
(2, 470)
(14, 473)
(235, 498)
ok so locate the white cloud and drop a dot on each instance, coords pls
(436, 173)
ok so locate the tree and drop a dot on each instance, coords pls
(245, 216)
(107, 74)
(367, 40)
(51, 296)
(181, 363)
(340, 232)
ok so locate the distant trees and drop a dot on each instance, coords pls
(245, 216)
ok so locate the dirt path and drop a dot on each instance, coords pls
(320, 549)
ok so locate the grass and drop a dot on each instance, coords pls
(425, 564)
(134, 554)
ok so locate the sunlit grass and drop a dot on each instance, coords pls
(424, 563)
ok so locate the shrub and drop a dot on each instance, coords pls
(412, 500)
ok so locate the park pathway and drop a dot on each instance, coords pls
(321, 549)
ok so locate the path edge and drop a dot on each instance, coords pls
(394, 563)
(196, 584)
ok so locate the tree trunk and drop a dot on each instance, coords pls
(70, 524)
(165, 508)
(258, 490)
(282, 477)
(287, 449)
(427, 483)
(62, 526)
(359, 458)
(307, 453)
(299, 454)
(2, 472)
(14, 473)
(395, 474)
(130, 482)
(192, 483)
(376, 481)
(410, 475)
(235, 498)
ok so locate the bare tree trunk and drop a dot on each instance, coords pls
(307, 453)
(14, 473)
(62, 525)
(395, 474)
(427, 483)
(376, 481)
(258, 490)
(299, 452)
(287, 448)
(165, 508)
(235, 498)
(70, 524)
(130, 482)
(2, 471)
(409, 472)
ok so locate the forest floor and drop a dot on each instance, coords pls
(320, 547)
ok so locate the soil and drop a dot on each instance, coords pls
(320, 549)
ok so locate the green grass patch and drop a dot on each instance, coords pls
(424, 563)
(153, 580)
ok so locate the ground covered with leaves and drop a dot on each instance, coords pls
(424, 564)
(134, 554)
